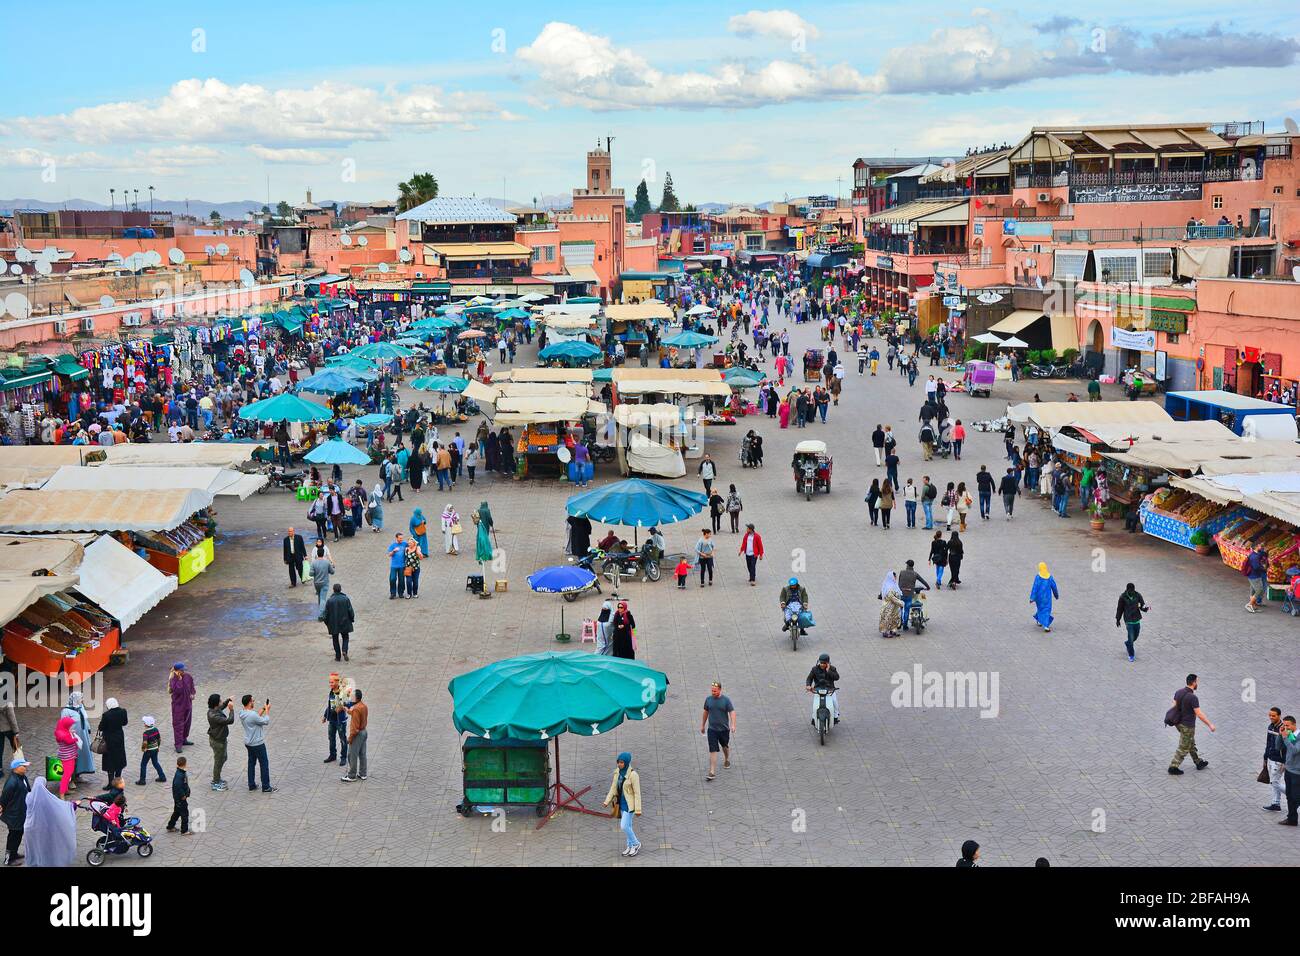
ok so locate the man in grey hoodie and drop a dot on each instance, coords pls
(1289, 745)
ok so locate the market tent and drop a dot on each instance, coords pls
(19, 591)
(285, 407)
(25, 554)
(219, 454)
(662, 417)
(1141, 433)
(121, 582)
(570, 349)
(1053, 415)
(690, 340)
(700, 310)
(445, 384)
(572, 308)
(480, 391)
(329, 381)
(543, 375)
(336, 451)
(215, 481)
(673, 386)
(536, 410)
(639, 312)
(1213, 458)
(33, 512)
(570, 321)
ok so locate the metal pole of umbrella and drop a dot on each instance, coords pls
(564, 797)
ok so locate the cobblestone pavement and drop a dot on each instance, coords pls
(1078, 737)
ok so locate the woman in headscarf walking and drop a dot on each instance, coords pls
(604, 628)
(483, 538)
(623, 627)
(419, 529)
(180, 685)
(112, 724)
(891, 609)
(81, 724)
(65, 736)
(1041, 594)
(375, 508)
(450, 521)
(624, 798)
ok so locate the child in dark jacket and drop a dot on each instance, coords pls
(149, 750)
(180, 799)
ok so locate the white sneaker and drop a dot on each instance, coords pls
(635, 850)
(626, 851)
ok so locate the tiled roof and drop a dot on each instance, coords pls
(452, 209)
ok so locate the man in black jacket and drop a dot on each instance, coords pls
(295, 553)
(984, 485)
(1009, 488)
(1130, 610)
(824, 675)
(338, 618)
(13, 808)
(336, 719)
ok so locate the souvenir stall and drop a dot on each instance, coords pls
(61, 391)
(1079, 443)
(543, 421)
(636, 325)
(652, 440)
(23, 389)
(173, 527)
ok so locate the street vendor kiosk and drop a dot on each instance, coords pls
(1241, 413)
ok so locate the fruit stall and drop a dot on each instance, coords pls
(1175, 515)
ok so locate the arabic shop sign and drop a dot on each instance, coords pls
(884, 262)
(1151, 192)
(1159, 320)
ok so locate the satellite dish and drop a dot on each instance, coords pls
(564, 455)
(16, 304)
(175, 257)
(43, 267)
(383, 267)
(223, 249)
(115, 257)
(210, 250)
(1295, 273)
(1291, 126)
(345, 240)
(246, 279)
(362, 241)
(405, 255)
(23, 254)
(153, 258)
(16, 270)
(106, 302)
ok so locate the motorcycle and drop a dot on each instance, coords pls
(800, 621)
(278, 477)
(603, 452)
(823, 720)
(917, 619)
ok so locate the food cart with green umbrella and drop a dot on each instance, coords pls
(514, 707)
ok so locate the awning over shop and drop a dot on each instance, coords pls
(639, 311)
(146, 478)
(1054, 415)
(672, 386)
(121, 582)
(70, 368)
(475, 251)
(215, 454)
(930, 212)
(543, 375)
(1065, 334)
(1017, 321)
(34, 512)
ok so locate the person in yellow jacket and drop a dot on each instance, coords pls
(625, 800)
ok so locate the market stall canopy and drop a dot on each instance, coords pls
(740, 377)
(26, 554)
(121, 582)
(1213, 457)
(445, 384)
(18, 592)
(535, 410)
(1053, 415)
(285, 407)
(543, 375)
(218, 454)
(539, 696)
(34, 512)
(700, 310)
(690, 340)
(639, 312)
(329, 381)
(672, 386)
(569, 321)
(636, 502)
(381, 352)
(149, 478)
(373, 420)
(661, 417)
(481, 391)
(1141, 433)
(571, 308)
(572, 349)
(336, 451)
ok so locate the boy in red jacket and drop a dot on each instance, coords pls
(751, 546)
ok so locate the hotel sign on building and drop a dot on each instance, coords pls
(1152, 192)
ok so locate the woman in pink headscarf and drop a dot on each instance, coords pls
(69, 743)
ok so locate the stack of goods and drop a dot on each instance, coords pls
(535, 441)
(61, 624)
(1247, 533)
(177, 541)
(1174, 515)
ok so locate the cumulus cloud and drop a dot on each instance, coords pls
(586, 69)
(211, 111)
(160, 160)
(785, 24)
(289, 155)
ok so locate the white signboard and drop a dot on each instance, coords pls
(1072, 445)
(1139, 341)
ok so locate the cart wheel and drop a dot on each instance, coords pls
(145, 850)
(828, 486)
(570, 596)
(95, 857)
(464, 809)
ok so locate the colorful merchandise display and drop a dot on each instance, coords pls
(62, 633)
(1174, 515)
(1247, 532)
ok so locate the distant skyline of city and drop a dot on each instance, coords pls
(739, 104)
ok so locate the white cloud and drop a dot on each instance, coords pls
(211, 111)
(298, 157)
(785, 24)
(585, 69)
(159, 160)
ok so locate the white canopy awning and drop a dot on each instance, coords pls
(215, 481)
(121, 582)
(34, 512)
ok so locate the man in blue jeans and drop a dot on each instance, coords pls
(928, 493)
(984, 485)
(254, 723)
(908, 581)
(397, 568)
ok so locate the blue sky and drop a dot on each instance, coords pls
(738, 102)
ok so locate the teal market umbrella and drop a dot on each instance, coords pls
(329, 382)
(356, 368)
(603, 375)
(690, 340)
(373, 420)
(512, 314)
(336, 452)
(738, 377)
(381, 352)
(541, 696)
(572, 349)
(445, 384)
(438, 324)
(637, 502)
(285, 408)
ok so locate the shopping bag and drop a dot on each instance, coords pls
(53, 767)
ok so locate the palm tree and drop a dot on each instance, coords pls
(420, 188)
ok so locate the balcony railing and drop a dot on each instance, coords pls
(1143, 177)
(1029, 213)
(886, 244)
(967, 261)
(1155, 234)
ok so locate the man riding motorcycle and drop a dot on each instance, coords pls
(794, 598)
(823, 675)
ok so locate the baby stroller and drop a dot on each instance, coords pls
(115, 840)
